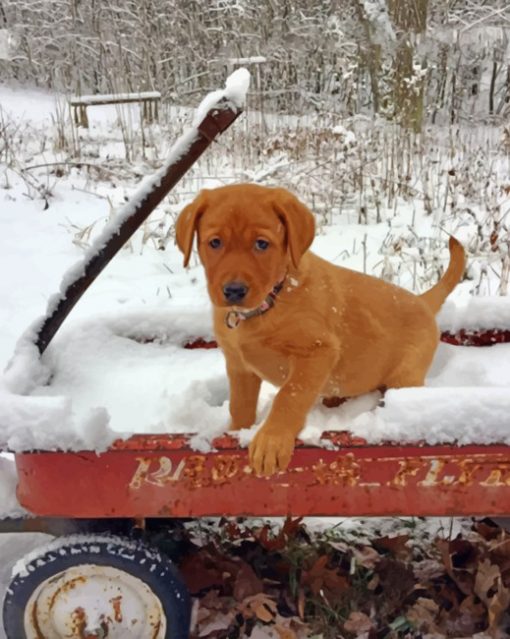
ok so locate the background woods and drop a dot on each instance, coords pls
(413, 61)
(385, 112)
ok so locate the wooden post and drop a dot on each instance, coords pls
(84, 121)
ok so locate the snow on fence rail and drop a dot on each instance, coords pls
(149, 99)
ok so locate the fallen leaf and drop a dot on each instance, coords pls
(396, 582)
(489, 587)
(428, 570)
(358, 623)
(292, 527)
(299, 627)
(289, 530)
(423, 615)
(209, 568)
(465, 620)
(485, 579)
(396, 545)
(499, 552)
(366, 556)
(201, 572)
(260, 606)
(319, 578)
(209, 605)
(374, 582)
(460, 558)
(268, 542)
(232, 529)
(285, 633)
(246, 583)
(487, 529)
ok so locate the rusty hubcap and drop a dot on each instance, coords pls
(94, 602)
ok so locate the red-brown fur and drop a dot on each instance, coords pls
(331, 332)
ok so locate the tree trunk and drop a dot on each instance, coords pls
(393, 28)
(410, 20)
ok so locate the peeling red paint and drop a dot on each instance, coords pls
(353, 480)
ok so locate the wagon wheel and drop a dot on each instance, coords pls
(87, 586)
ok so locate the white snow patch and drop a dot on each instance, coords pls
(117, 375)
(439, 415)
(9, 506)
(236, 88)
(47, 423)
(475, 313)
(254, 59)
(107, 97)
(237, 85)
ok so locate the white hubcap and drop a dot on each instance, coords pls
(94, 602)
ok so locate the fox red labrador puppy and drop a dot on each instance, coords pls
(285, 315)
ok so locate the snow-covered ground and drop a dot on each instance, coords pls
(106, 378)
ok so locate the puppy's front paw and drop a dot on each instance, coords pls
(271, 451)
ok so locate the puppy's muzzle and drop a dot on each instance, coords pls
(235, 292)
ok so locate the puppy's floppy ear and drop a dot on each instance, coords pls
(186, 224)
(298, 220)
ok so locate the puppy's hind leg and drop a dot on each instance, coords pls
(411, 371)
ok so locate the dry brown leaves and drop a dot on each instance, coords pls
(393, 587)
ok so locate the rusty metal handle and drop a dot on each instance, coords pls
(217, 120)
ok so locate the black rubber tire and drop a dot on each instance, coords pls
(133, 557)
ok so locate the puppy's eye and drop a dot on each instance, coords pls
(215, 243)
(261, 245)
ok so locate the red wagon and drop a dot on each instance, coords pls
(98, 584)
(162, 476)
(146, 480)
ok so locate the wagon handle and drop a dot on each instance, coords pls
(183, 155)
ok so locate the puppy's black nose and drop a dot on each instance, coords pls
(235, 292)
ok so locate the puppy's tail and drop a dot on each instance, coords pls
(435, 297)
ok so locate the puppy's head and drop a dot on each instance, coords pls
(248, 236)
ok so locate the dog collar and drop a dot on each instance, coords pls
(234, 318)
